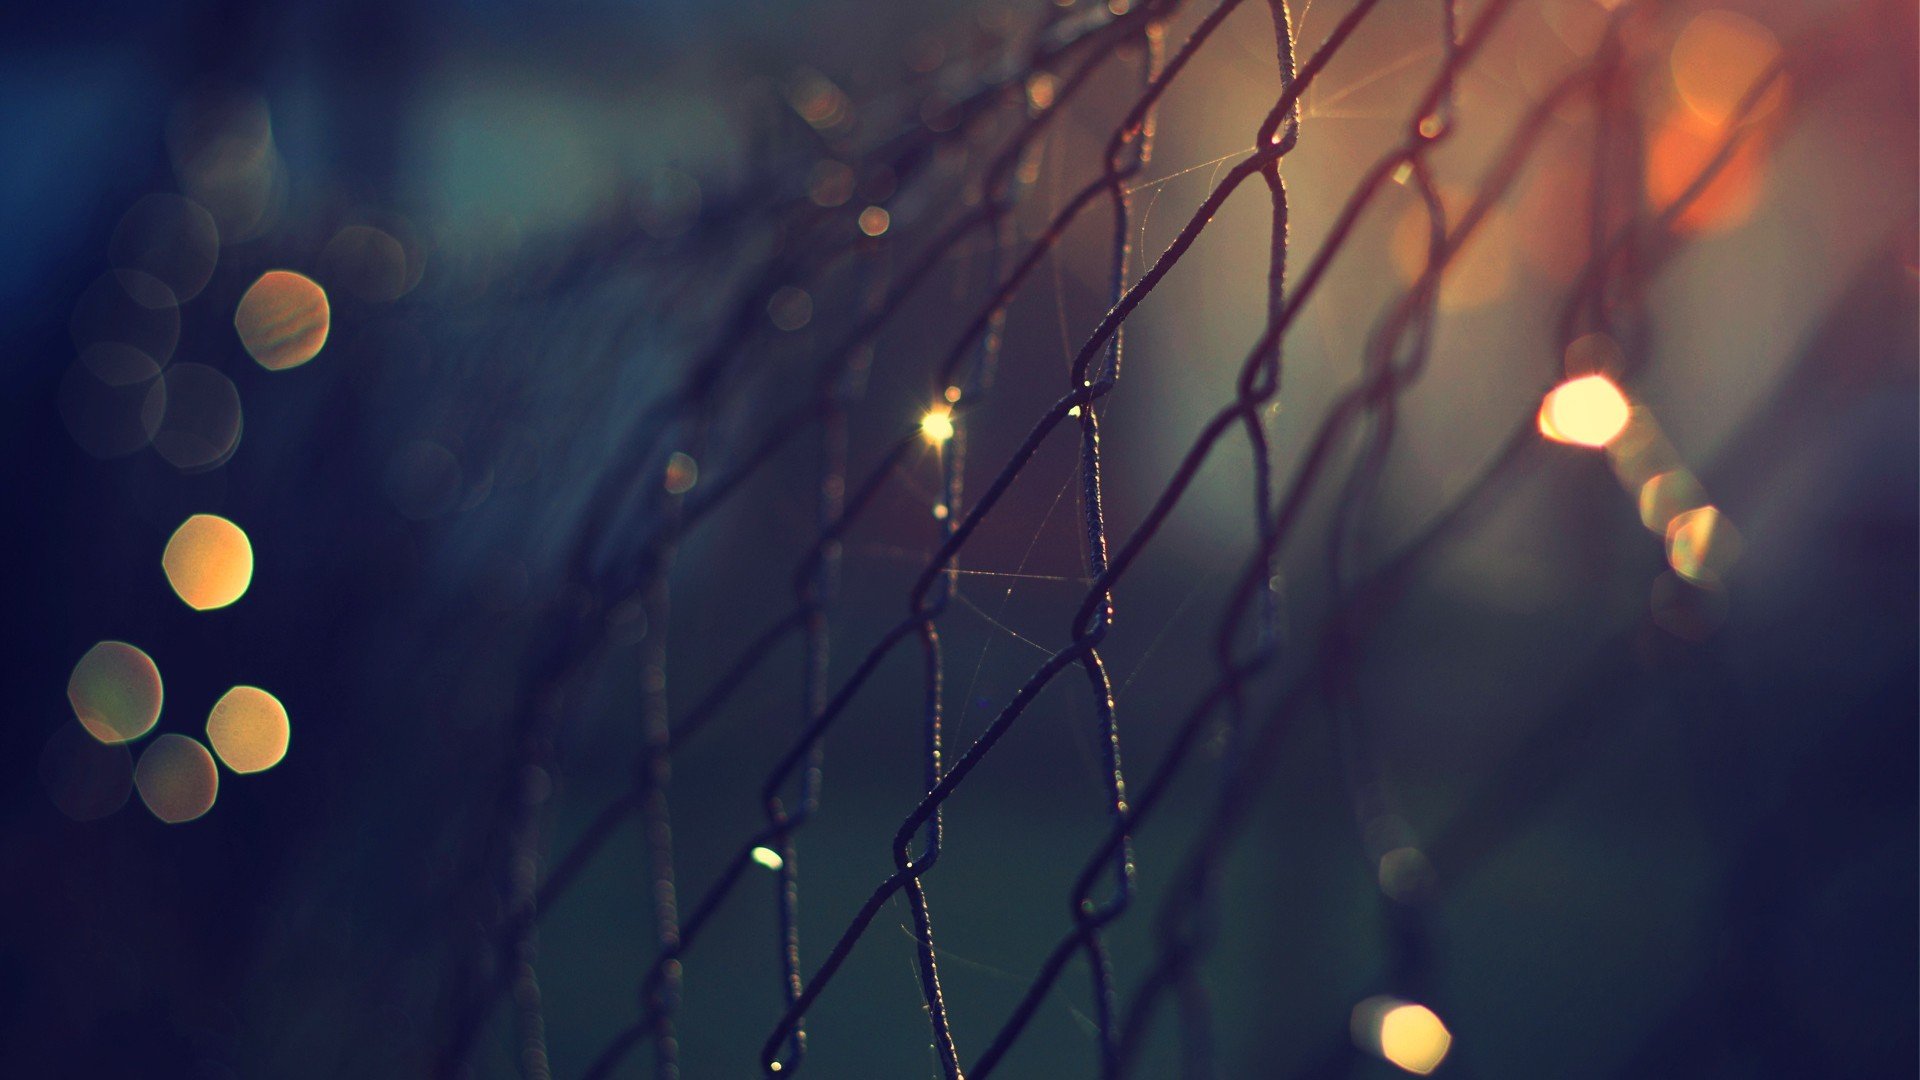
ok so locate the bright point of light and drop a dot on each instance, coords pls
(1412, 1037)
(937, 425)
(248, 729)
(874, 220)
(1588, 411)
(209, 562)
(767, 857)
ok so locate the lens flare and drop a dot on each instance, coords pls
(209, 562)
(1588, 411)
(937, 425)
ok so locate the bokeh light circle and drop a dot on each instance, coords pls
(171, 239)
(192, 414)
(127, 307)
(1716, 60)
(283, 318)
(221, 142)
(1412, 1037)
(208, 561)
(1588, 411)
(249, 730)
(85, 778)
(1702, 545)
(367, 262)
(176, 778)
(115, 691)
(102, 397)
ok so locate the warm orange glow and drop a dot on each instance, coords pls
(192, 414)
(1588, 411)
(874, 220)
(1412, 1037)
(115, 692)
(176, 779)
(1717, 59)
(283, 319)
(937, 424)
(1040, 91)
(1478, 274)
(209, 562)
(682, 473)
(248, 729)
(1680, 148)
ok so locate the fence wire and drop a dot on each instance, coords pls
(625, 543)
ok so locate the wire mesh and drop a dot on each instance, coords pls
(625, 542)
